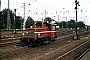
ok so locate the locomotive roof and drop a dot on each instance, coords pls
(40, 23)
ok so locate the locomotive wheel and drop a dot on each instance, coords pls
(38, 43)
(52, 39)
(22, 44)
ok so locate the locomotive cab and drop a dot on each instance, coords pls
(43, 32)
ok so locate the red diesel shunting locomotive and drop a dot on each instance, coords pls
(42, 33)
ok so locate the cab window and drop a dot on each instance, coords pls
(53, 27)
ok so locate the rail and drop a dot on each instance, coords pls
(82, 54)
(71, 50)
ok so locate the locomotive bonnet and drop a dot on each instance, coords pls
(41, 34)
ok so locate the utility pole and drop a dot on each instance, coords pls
(45, 13)
(0, 15)
(66, 19)
(24, 17)
(77, 4)
(8, 18)
(66, 22)
(21, 24)
(15, 21)
(58, 20)
(0, 5)
(62, 23)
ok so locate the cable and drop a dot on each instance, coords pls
(45, 5)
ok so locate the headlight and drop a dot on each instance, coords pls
(35, 38)
(26, 32)
(23, 34)
(39, 34)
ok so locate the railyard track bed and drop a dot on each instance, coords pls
(75, 52)
(85, 55)
(8, 38)
(45, 52)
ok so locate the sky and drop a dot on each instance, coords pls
(59, 10)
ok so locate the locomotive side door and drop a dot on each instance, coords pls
(53, 32)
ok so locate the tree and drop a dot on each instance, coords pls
(3, 21)
(62, 24)
(81, 24)
(19, 21)
(47, 19)
(29, 22)
(4, 18)
(71, 24)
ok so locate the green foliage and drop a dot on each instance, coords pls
(71, 24)
(81, 24)
(47, 19)
(3, 20)
(62, 24)
(29, 22)
(19, 21)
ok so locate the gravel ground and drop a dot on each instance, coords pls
(86, 56)
(44, 52)
(24, 52)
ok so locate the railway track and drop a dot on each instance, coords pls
(9, 43)
(15, 50)
(13, 43)
(8, 38)
(78, 58)
(67, 55)
(66, 52)
(16, 41)
(14, 38)
(4, 53)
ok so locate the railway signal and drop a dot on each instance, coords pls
(15, 21)
(76, 35)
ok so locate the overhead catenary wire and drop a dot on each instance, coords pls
(48, 7)
(31, 6)
(38, 3)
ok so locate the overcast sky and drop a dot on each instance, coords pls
(63, 8)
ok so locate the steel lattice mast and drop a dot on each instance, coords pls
(8, 18)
